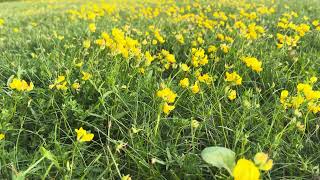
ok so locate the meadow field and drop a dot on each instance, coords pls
(160, 89)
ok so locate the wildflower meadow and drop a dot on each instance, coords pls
(160, 89)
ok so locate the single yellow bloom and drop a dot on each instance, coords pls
(184, 83)
(284, 94)
(92, 27)
(233, 77)
(185, 67)
(127, 177)
(313, 79)
(262, 161)
(2, 136)
(195, 88)
(83, 136)
(62, 86)
(167, 108)
(86, 44)
(232, 95)
(85, 76)
(76, 86)
(195, 123)
(267, 166)
(245, 170)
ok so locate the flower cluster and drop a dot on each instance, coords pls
(253, 63)
(305, 96)
(21, 85)
(168, 96)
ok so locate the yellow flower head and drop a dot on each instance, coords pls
(2, 136)
(75, 86)
(59, 83)
(262, 161)
(195, 88)
(167, 95)
(184, 83)
(195, 123)
(185, 67)
(127, 177)
(83, 136)
(232, 95)
(92, 27)
(86, 44)
(245, 170)
(85, 76)
(253, 63)
(21, 85)
(313, 79)
(167, 108)
(234, 78)
(149, 58)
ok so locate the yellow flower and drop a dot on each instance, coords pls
(232, 94)
(199, 57)
(127, 177)
(206, 78)
(141, 70)
(16, 30)
(154, 42)
(315, 23)
(75, 86)
(195, 88)
(284, 94)
(184, 83)
(2, 136)
(195, 123)
(283, 97)
(92, 27)
(253, 63)
(262, 161)
(300, 126)
(86, 44)
(100, 42)
(180, 38)
(233, 77)
(120, 145)
(167, 108)
(21, 85)
(297, 101)
(313, 79)
(85, 76)
(83, 136)
(62, 86)
(149, 58)
(225, 48)
(184, 67)
(60, 83)
(212, 49)
(245, 170)
(167, 95)
(1, 22)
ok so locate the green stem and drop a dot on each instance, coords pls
(158, 121)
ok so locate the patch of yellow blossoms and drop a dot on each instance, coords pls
(21, 85)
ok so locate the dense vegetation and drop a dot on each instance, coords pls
(137, 89)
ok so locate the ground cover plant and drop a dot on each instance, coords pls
(160, 89)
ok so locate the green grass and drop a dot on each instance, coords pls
(117, 97)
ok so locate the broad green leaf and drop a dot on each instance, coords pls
(219, 157)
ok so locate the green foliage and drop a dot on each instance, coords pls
(119, 105)
(219, 157)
